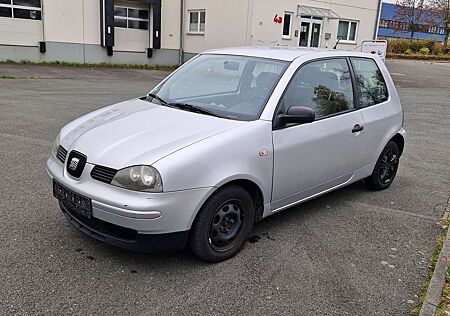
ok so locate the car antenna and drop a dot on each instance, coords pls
(337, 42)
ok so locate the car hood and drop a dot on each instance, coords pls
(139, 132)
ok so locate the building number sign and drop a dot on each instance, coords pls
(277, 19)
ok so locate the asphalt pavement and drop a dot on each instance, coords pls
(350, 252)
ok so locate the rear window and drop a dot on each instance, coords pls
(370, 81)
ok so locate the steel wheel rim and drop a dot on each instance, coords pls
(388, 166)
(226, 225)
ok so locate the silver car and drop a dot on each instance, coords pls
(231, 137)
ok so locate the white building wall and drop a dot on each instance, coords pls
(250, 22)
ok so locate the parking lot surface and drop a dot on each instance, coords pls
(350, 252)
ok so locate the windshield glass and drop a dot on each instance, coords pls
(232, 87)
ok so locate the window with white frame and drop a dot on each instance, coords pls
(347, 31)
(287, 25)
(130, 18)
(197, 20)
(21, 9)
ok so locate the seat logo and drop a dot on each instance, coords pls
(74, 163)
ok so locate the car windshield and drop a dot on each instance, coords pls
(233, 87)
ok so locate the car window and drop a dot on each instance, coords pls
(324, 86)
(210, 76)
(371, 83)
(265, 67)
(229, 86)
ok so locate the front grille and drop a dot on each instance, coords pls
(61, 154)
(103, 174)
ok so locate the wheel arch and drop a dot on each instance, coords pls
(400, 141)
(249, 185)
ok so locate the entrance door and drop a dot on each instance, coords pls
(310, 31)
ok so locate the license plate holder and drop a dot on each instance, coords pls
(74, 201)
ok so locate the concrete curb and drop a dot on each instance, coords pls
(437, 283)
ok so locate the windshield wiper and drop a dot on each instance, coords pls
(193, 108)
(154, 96)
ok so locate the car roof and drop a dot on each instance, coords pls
(282, 52)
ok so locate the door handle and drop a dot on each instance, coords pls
(357, 128)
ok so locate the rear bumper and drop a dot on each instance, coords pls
(126, 238)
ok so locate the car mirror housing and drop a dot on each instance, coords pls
(297, 115)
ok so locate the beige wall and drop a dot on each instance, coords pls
(226, 24)
(170, 24)
(72, 21)
(250, 22)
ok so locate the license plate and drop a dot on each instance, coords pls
(74, 201)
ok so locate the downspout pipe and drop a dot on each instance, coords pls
(181, 57)
(377, 23)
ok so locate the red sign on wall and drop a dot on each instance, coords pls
(277, 19)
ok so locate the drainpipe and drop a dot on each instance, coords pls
(181, 54)
(377, 23)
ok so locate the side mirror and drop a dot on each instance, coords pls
(298, 115)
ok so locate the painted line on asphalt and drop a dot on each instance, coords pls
(26, 138)
(394, 211)
(397, 74)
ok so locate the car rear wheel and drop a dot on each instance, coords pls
(386, 168)
(223, 224)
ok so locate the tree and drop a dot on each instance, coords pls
(410, 14)
(441, 10)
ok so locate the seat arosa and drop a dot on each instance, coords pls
(231, 137)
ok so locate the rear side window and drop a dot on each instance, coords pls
(370, 81)
(324, 86)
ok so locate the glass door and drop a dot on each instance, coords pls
(315, 34)
(310, 31)
(304, 34)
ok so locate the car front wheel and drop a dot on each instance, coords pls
(223, 224)
(386, 168)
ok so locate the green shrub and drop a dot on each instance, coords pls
(408, 51)
(424, 51)
(398, 46)
(408, 46)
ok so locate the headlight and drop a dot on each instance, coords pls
(56, 144)
(139, 178)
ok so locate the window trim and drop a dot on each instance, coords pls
(276, 126)
(348, 41)
(360, 106)
(13, 6)
(289, 36)
(198, 32)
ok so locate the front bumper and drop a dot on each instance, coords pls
(144, 213)
(126, 238)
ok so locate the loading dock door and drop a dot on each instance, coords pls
(132, 26)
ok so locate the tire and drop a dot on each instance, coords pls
(385, 169)
(223, 224)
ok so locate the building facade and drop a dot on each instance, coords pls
(390, 27)
(168, 32)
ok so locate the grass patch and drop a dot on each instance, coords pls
(439, 245)
(419, 57)
(100, 65)
(7, 77)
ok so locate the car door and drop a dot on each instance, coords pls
(315, 157)
(381, 112)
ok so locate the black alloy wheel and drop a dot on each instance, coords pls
(386, 168)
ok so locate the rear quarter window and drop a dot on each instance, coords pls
(372, 87)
